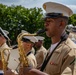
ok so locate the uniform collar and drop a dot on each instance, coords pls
(40, 48)
(4, 46)
(29, 53)
(70, 43)
(58, 49)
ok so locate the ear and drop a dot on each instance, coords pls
(62, 24)
(28, 45)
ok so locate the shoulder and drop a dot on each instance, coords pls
(31, 55)
(5, 46)
(70, 44)
(69, 47)
(42, 49)
(66, 47)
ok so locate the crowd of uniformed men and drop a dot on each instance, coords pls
(59, 59)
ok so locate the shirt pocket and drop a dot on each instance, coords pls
(52, 68)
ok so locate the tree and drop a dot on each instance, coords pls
(72, 19)
(16, 18)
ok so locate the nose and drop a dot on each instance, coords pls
(46, 24)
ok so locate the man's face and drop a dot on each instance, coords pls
(52, 26)
(26, 45)
(37, 44)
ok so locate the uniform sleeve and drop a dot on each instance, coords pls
(32, 62)
(39, 58)
(69, 65)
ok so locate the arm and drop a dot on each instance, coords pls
(31, 71)
(36, 72)
(9, 72)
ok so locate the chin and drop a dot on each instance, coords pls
(48, 35)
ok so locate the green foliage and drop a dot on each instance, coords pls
(16, 18)
(72, 19)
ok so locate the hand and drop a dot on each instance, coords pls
(30, 71)
(36, 72)
(9, 72)
(24, 70)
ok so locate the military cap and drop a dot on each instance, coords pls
(40, 37)
(27, 38)
(4, 33)
(54, 10)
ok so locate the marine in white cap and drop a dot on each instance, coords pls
(72, 33)
(13, 53)
(41, 51)
(61, 55)
(28, 42)
(61, 58)
(33, 50)
(3, 44)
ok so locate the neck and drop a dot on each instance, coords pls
(57, 38)
(37, 48)
(27, 50)
(1, 44)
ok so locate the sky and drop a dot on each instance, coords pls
(39, 3)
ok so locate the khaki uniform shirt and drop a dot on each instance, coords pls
(33, 50)
(3, 47)
(14, 59)
(32, 60)
(62, 61)
(40, 56)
